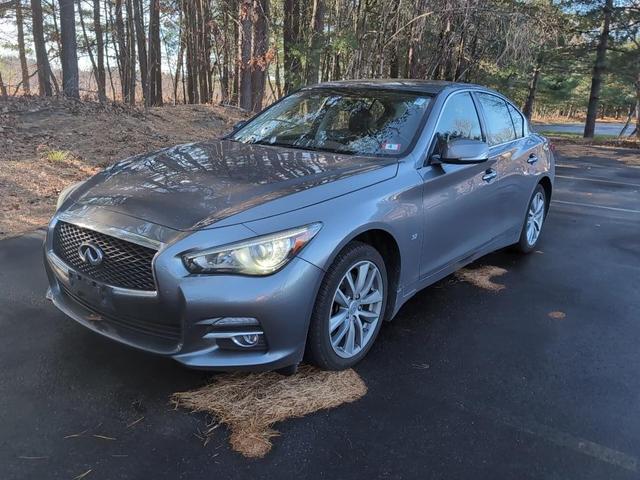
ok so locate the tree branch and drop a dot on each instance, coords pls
(8, 4)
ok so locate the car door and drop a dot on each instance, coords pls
(512, 154)
(458, 200)
(530, 160)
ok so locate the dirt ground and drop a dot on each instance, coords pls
(578, 149)
(47, 144)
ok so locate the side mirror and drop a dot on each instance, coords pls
(462, 151)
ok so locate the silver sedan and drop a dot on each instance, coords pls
(304, 229)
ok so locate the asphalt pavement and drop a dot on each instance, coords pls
(611, 129)
(465, 383)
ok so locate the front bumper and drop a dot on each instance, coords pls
(177, 319)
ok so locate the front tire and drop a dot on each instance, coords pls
(533, 221)
(349, 308)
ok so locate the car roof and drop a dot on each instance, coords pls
(431, 87)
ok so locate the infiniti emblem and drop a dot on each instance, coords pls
(91, 254)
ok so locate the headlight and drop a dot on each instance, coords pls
(64, 194)
(258, 256)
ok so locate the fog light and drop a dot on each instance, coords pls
(248, 340)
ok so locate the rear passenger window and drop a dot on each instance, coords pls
(499, 125)
(459, 120)
(518, 120)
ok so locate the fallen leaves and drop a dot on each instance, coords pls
(482, 277)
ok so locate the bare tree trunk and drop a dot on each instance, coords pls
(113, 88)
(184, 86)
(203, 49)
(598, 71)
(44, 69)
(632, 109)
(244, 53)
(291, 41)
(70, 79)
(260, 47)
(394, 61)
(57, 37)
(100, 74)
(200, 70)
(142, 50)
(122, 52)
(315, 42)
(278, 76)
(86, 41)
(191, 27)
(412, 60)
(108, 13)
(207, 43)
(131, 43)
(235, 85)
(223, 64)
(155, 59)
(180, 59)
(533, 88)
(26, 88)
(3, 89)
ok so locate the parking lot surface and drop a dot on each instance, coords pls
(465, 383)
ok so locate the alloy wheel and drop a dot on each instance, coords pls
(356, 309)
(535, 217)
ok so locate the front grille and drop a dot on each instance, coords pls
(124, 264)
(163, 332)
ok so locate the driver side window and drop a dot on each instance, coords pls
(459, 119)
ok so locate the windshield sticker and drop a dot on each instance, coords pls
(392, 147)
(418, 102)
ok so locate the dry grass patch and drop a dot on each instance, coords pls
(482, 277)
(250, 404)
(49, 143)
(58, 155)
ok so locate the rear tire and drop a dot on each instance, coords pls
(533, 221)
(349, 308)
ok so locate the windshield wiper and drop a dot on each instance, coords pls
(306, 147)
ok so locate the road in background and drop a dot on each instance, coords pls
(609, 129)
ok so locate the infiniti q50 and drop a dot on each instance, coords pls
(304, 229)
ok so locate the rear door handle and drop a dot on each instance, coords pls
(489, 175)
(533, 158)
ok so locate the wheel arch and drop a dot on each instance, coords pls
(387, 245)
(548, 189)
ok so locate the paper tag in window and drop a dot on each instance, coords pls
(418, 102)
(391, 147)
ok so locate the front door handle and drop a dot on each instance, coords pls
(489, 175)
(533, 158)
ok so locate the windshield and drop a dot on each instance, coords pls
(362, 122)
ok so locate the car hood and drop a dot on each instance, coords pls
(199, 184)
